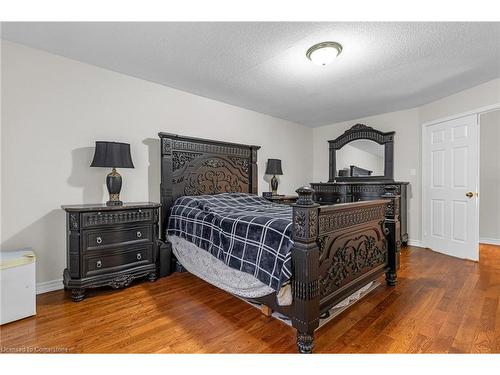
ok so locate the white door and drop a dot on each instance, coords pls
(450, 186)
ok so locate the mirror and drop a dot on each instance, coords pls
(362, 153)
(360, 158)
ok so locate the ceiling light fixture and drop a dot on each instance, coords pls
(324, 53)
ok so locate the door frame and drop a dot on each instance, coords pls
(478, 112)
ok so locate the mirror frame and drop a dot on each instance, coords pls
(361, 131)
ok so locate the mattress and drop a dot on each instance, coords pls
(207, 267)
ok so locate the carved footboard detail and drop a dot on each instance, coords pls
(352, 249)
(346, 258)
(338, 249)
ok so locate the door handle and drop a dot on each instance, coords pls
(470, 194)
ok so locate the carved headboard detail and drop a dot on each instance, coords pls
(194, 166)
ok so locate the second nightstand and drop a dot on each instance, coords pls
(110, 245)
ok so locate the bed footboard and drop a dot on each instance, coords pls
(338, 249)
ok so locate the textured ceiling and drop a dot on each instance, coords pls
(262, 66)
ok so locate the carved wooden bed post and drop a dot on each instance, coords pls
(305, 259)
(166, 184)
(392, 224)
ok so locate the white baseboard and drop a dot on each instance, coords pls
(490, 241)
(416, 243)
(49, 286)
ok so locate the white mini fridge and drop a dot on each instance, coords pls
(17, 285)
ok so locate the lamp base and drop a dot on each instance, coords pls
(114, 203)
(114, 185)
(274, 185)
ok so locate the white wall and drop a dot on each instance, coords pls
(489, 185)
(1, 131)
(467, 100)
(53, 110)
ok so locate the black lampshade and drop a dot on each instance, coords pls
(112, 154)
(274, 167)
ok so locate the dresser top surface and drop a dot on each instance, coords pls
(104, 207)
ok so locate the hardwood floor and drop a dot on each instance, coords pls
(441, 305)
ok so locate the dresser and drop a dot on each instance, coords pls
(110, 245)
(344, 192)
(366, 150)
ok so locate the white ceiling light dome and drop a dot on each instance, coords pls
(324, 53)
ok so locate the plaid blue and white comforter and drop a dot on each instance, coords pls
(245, 231)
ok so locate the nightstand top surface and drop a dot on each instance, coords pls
(104, 207)
(282, 197)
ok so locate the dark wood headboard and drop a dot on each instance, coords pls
(195, 166)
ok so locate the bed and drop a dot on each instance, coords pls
(334, 250)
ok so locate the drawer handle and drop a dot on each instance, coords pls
(98, 240)
(98, 264)
(139, 256)
(139, 234)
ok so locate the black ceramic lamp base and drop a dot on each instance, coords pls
(274, 185)
(114, 184)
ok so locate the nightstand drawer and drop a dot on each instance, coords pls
(105, 263)
(105, 238)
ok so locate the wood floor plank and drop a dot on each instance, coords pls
(441, 304)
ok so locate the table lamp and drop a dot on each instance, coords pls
(112, 155)
(274, 168)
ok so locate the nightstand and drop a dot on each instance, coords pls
(282, 199)
(110, 245)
